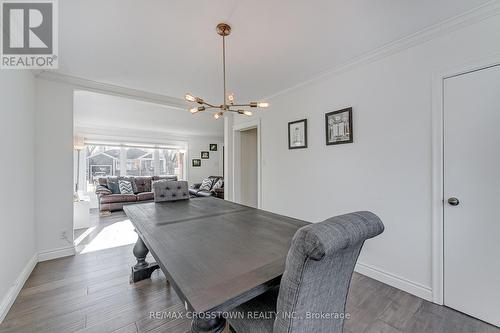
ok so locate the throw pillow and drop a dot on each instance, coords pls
(125, 187)
(218, 184)
(132, 181)
(113, 185)
(206, 185)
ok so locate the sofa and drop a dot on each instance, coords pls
(110, 198)
(195, 190)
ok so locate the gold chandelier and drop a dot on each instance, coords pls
(229, 104)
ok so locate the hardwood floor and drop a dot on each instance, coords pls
(90, 292)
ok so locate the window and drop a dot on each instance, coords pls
(140, 162)
(172, 162)
(102, 161)
(107, 160)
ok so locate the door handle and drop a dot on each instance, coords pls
(453, 201)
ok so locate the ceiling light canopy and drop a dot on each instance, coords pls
(229, 104)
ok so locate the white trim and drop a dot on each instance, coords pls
(56, 253)
(478, 14)
(12, 293)
(395, 281)
(110, 89)
(437, 168)
(254, 123)
(228, 156)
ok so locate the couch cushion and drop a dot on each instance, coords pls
(193, 191)
(165, 177)
(113, 184)
(218, 184)
(103, 181)
(144, 196)
(204, 193)
(112, 198)
(143, 184)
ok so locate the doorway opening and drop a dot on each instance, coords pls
(246, 165)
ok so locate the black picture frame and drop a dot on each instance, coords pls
(290, 124)
(205, 155)
(213, 147)
(196, 163)
(329, 127)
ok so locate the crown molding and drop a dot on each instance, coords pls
(98, 131)
(110, 89)
(478, 14)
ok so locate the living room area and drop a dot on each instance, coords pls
(249, 166)
(121, 146)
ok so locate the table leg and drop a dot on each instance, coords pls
(213, 325)
(142, 270)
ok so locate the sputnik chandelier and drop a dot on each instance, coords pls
(229, 104)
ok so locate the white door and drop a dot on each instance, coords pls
(472, 194)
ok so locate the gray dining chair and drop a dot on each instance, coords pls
(318, 271)
(168, 190)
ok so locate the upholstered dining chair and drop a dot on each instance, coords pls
(165, 190)
(313, 290)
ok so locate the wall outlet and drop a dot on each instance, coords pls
(64, 235)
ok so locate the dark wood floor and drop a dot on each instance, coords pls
(90, 292)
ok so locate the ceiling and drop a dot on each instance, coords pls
(171, 47)
(99, 111)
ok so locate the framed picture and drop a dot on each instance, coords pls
(196, 162)
(205, 155)
(213, 147)
(338, 125)
(297, 134)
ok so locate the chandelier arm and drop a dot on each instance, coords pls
(242, 105)
(209, 105)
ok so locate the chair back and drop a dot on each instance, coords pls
(168, 190)
(319, 267)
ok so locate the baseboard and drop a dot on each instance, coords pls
(395, 281)
(12, 293)
(56, 253)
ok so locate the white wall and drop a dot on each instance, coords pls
(17, 223)
(210, 167)
(388, 167)
(54, 168)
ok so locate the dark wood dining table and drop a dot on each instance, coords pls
(216, 254)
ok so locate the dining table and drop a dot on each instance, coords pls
(216, 254)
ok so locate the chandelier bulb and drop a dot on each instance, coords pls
(190, 98)
(262, 104)
(197, 109)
